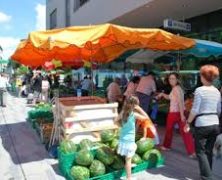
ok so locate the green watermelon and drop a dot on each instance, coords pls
(107, 136)
(118, 163)
(67, 146)
(153, 156)
(80, 173)
(105, 155)
(144, 145)
(117, 133)
(86, 144)
(136, 159)
(138, 136)
(114, 144)
(97, 168)
(84, 157)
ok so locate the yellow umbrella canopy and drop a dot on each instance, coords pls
(99, 43)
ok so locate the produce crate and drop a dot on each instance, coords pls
(84, 117)
(112, 175)
(67, 161)
(44, 131)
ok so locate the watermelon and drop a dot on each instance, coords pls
(107, 136)
(138, 137)
(153, 156)
(136, 159)
(84, 157)
(97, 168)
(144, 145)
(67, 147)
(114, 144)
(118, 163)
(105, 155)
(117, 133)
(86, 144)
(80, 173)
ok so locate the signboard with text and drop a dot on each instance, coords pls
(176, 25)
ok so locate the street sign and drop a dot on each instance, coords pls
(176, 25)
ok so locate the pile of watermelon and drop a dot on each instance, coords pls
(96, 159)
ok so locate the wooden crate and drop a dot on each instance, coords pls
(84, 117)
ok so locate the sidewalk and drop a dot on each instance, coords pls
(23, 156)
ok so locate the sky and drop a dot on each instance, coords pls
(17, 19)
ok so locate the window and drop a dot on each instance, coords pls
(82, 2)
(78, 4)
(53, 19)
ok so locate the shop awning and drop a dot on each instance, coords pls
(99, 43)
(204, 49)
(145, 56)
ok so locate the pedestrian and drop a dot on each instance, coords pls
(3, 90)
(123, 82)
(86, 86)
(176, 115)
(204, 115)
(114, 92)
(132, 86)
(127, 146)
(45, 89)
(37, 85)
(145, 89)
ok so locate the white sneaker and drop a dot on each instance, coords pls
(125, 178)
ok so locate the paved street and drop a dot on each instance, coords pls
(22, 155)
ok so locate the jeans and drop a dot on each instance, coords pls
(144, 101)
(205, 138)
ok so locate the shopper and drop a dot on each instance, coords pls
(87, 85)
(45, 89)
(145, 90)
(204, 113)
(132, 86)
(37, 85)
(114, 92)
(3, 89)
(127, 146)
(176, 115)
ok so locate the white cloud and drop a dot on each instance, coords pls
(40, 17)
(8, 45)
(4, 18)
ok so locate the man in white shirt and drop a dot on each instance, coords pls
(3, 86)
(87, 86)
(145, 89)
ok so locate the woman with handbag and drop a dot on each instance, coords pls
(204, 114)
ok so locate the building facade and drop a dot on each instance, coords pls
(134, 13)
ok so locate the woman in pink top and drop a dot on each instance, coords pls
(176, 115)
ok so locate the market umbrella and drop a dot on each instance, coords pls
(204, 49)
(98, 43)
(145, 56)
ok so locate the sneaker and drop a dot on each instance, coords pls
(125, 178)
(133, 165)
(164, 148)
(193, 156)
